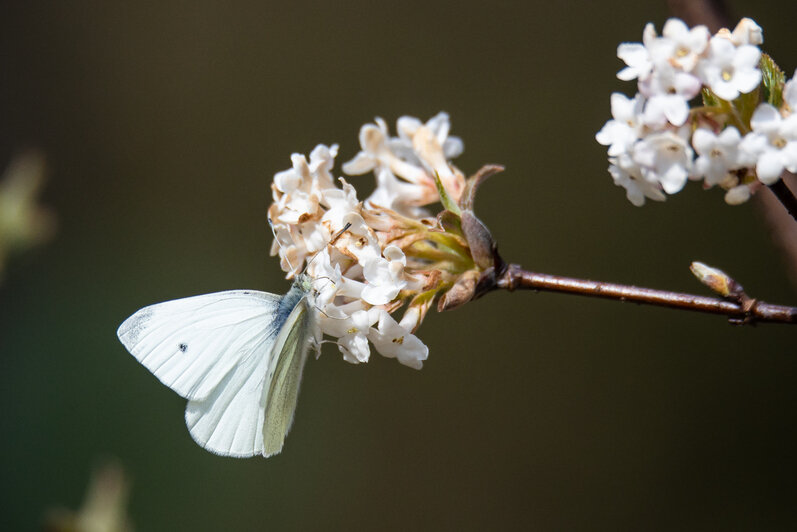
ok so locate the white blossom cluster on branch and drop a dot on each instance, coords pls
(392, 255)
(708, 107)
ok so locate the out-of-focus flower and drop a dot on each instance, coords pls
(747, 32)
(104, 508)
(666, 158)
(684, 45)
(772, 145)
(730, 70)
(637, 56)
(738, 141)
(637, 189)
(668, 92)
(23, 223)
(717, 154)
(626, 128)
(738, 195)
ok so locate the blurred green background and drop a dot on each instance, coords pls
(163, 123)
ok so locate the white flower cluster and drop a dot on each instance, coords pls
(656, 142)
(365, 274)
(404, 165)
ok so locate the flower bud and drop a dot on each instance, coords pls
(716, 279)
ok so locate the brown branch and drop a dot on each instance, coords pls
(743, 311)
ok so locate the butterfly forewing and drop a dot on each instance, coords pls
(192, 344)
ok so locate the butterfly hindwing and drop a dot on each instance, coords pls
(229, 421)
(289, 355)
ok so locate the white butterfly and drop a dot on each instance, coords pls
(237, 356)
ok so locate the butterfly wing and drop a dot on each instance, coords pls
(195, 343)
(237, 356)
(251, 411)
(288, 358)
(229, 421)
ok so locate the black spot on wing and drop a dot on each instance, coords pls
(183, 347)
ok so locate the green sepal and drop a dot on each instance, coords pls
(448, 203)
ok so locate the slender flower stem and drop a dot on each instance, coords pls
(785, 194)
(744, 311)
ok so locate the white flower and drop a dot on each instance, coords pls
(737, 195)
(405, 165)
(376, 151)
(717, 154)
(790, 94)
(747, 32)
(772, 145)
(351, 332)
(665, 157)
(384, 275)
(668, 91)
(394, 341)
(329, 278)
(429, 148)
(685, 46)
(359, 242)
(621, 132)
(339, 203)
(637, 189)
(299, 195)
(729, 70)
(400, 196)
(412, 318)
(637, 56)
(678, 48)
(439, 125)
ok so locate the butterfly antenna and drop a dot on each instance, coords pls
(277, 240)
(340, 233)
(331, 242)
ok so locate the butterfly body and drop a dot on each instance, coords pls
(237, 356)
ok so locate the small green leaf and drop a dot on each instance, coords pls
(445, 199)
(772, 79)
(709, 99)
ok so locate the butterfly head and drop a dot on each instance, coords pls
(304, 282)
